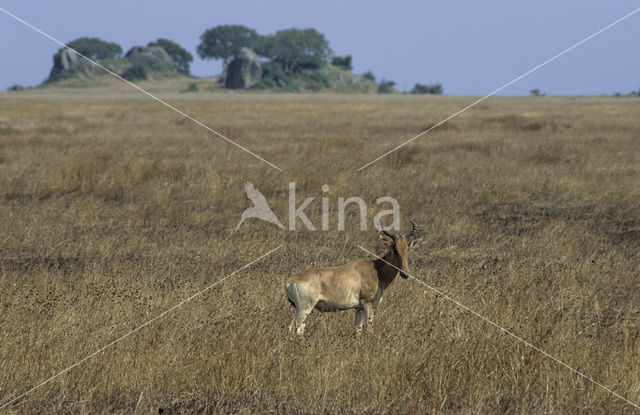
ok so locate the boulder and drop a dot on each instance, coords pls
(65, 60)
(67, 64)
(155, 52)
(244, 70)
(152, 58)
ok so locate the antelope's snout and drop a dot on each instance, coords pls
(404, 273)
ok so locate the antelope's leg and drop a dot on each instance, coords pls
(301, 318)
(377, 300)
(368, 310)
(359, 320)
(293, 323)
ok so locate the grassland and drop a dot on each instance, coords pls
(114, 209)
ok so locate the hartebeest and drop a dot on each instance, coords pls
(358, 284)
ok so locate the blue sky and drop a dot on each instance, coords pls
(470, 47)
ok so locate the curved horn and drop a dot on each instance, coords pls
(386, 232)
(412, 231)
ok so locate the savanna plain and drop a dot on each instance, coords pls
(113, 209)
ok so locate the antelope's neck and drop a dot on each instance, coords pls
(386, 272)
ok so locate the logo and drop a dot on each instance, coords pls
(261, 210)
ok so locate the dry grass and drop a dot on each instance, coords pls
(114, 209)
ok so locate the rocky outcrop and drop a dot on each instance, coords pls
(155, 52)
(244, 70)
(139, 63)
(65, 60)
(153, 58)
(66, 64)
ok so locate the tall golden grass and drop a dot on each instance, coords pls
(114, 209)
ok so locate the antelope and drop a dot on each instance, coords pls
(358, 284)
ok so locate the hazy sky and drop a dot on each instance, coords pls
(470, 47)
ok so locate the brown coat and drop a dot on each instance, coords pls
(357, 284)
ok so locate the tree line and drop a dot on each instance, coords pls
(286, 54)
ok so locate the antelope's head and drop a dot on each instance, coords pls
(399, 244)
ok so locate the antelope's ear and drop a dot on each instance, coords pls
(415, 242)
(386, 241)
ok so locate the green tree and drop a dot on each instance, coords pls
(343, 62)
(295, 50)
(427, 89)
(273, 77)
(369, 76)
(386, 87)
(181, 57)
(94, 48)
(225, 41)
(316, 80)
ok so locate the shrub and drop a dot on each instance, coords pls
(343, 62)
(15, 87)
(369, 76)
(316, 80)
(386, 87)
(192, 87)
(427, 89)
(274, 77)
(136, 73)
